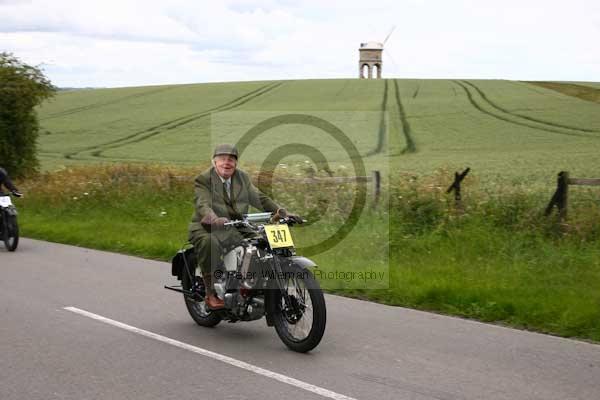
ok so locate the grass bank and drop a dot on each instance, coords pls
(495, 259)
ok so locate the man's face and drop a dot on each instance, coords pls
(225, 165)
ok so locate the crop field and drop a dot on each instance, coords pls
(503, 130)
(594, 85)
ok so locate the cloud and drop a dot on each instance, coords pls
(133, 42)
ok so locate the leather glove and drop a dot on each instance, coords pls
(279, 214)
(295, 218)
(211, 221)
(283, 213)
(219, 223)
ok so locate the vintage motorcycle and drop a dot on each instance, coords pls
(260, 277)
(9, 228)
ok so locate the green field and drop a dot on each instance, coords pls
(501, 129)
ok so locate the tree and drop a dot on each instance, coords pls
(22, 88)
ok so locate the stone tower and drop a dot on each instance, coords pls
(370, 59)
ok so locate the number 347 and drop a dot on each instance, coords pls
(279, 236)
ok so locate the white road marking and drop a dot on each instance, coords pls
(216, 356)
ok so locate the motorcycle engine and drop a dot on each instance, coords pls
(245, 309)
(235, 290)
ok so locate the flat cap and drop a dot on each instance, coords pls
(225, 148)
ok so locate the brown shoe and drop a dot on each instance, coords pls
(213, 302)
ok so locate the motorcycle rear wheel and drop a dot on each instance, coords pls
(197, 308)
(302, 329)
(10, 232)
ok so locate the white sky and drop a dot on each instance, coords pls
(109, 43)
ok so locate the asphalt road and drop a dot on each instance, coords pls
(370, 351)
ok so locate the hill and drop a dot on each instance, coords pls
(501, 129)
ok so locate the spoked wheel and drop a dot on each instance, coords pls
(195, 304)
(301, 323)
(10, 232)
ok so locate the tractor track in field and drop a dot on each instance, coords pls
(103, 104)
(225, 107)
(147, 133)
(342, 89)
(410, 147)
(479, 108)
(416, 93)
(527, 117)
(382, 125)
(51, 154)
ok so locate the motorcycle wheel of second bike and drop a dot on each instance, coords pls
(301, 328)
(10, 232)
(198, 309)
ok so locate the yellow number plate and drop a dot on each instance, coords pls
(279, 236)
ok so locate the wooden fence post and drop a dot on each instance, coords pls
(456, 186)
(560, 199)
(376, 186)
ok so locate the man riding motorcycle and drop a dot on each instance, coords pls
(5, 180)
(222, 193)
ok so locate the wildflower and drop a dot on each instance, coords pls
(163, 213)
(86, 194)
(75, 198)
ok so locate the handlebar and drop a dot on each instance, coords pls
(245, 222)
(235, 222)
(13, 193)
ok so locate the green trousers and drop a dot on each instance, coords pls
(209, 247)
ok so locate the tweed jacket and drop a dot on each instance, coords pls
(211, 202)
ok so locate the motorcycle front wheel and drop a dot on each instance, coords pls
(197, 308)
(10, 232)
(300, 323)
